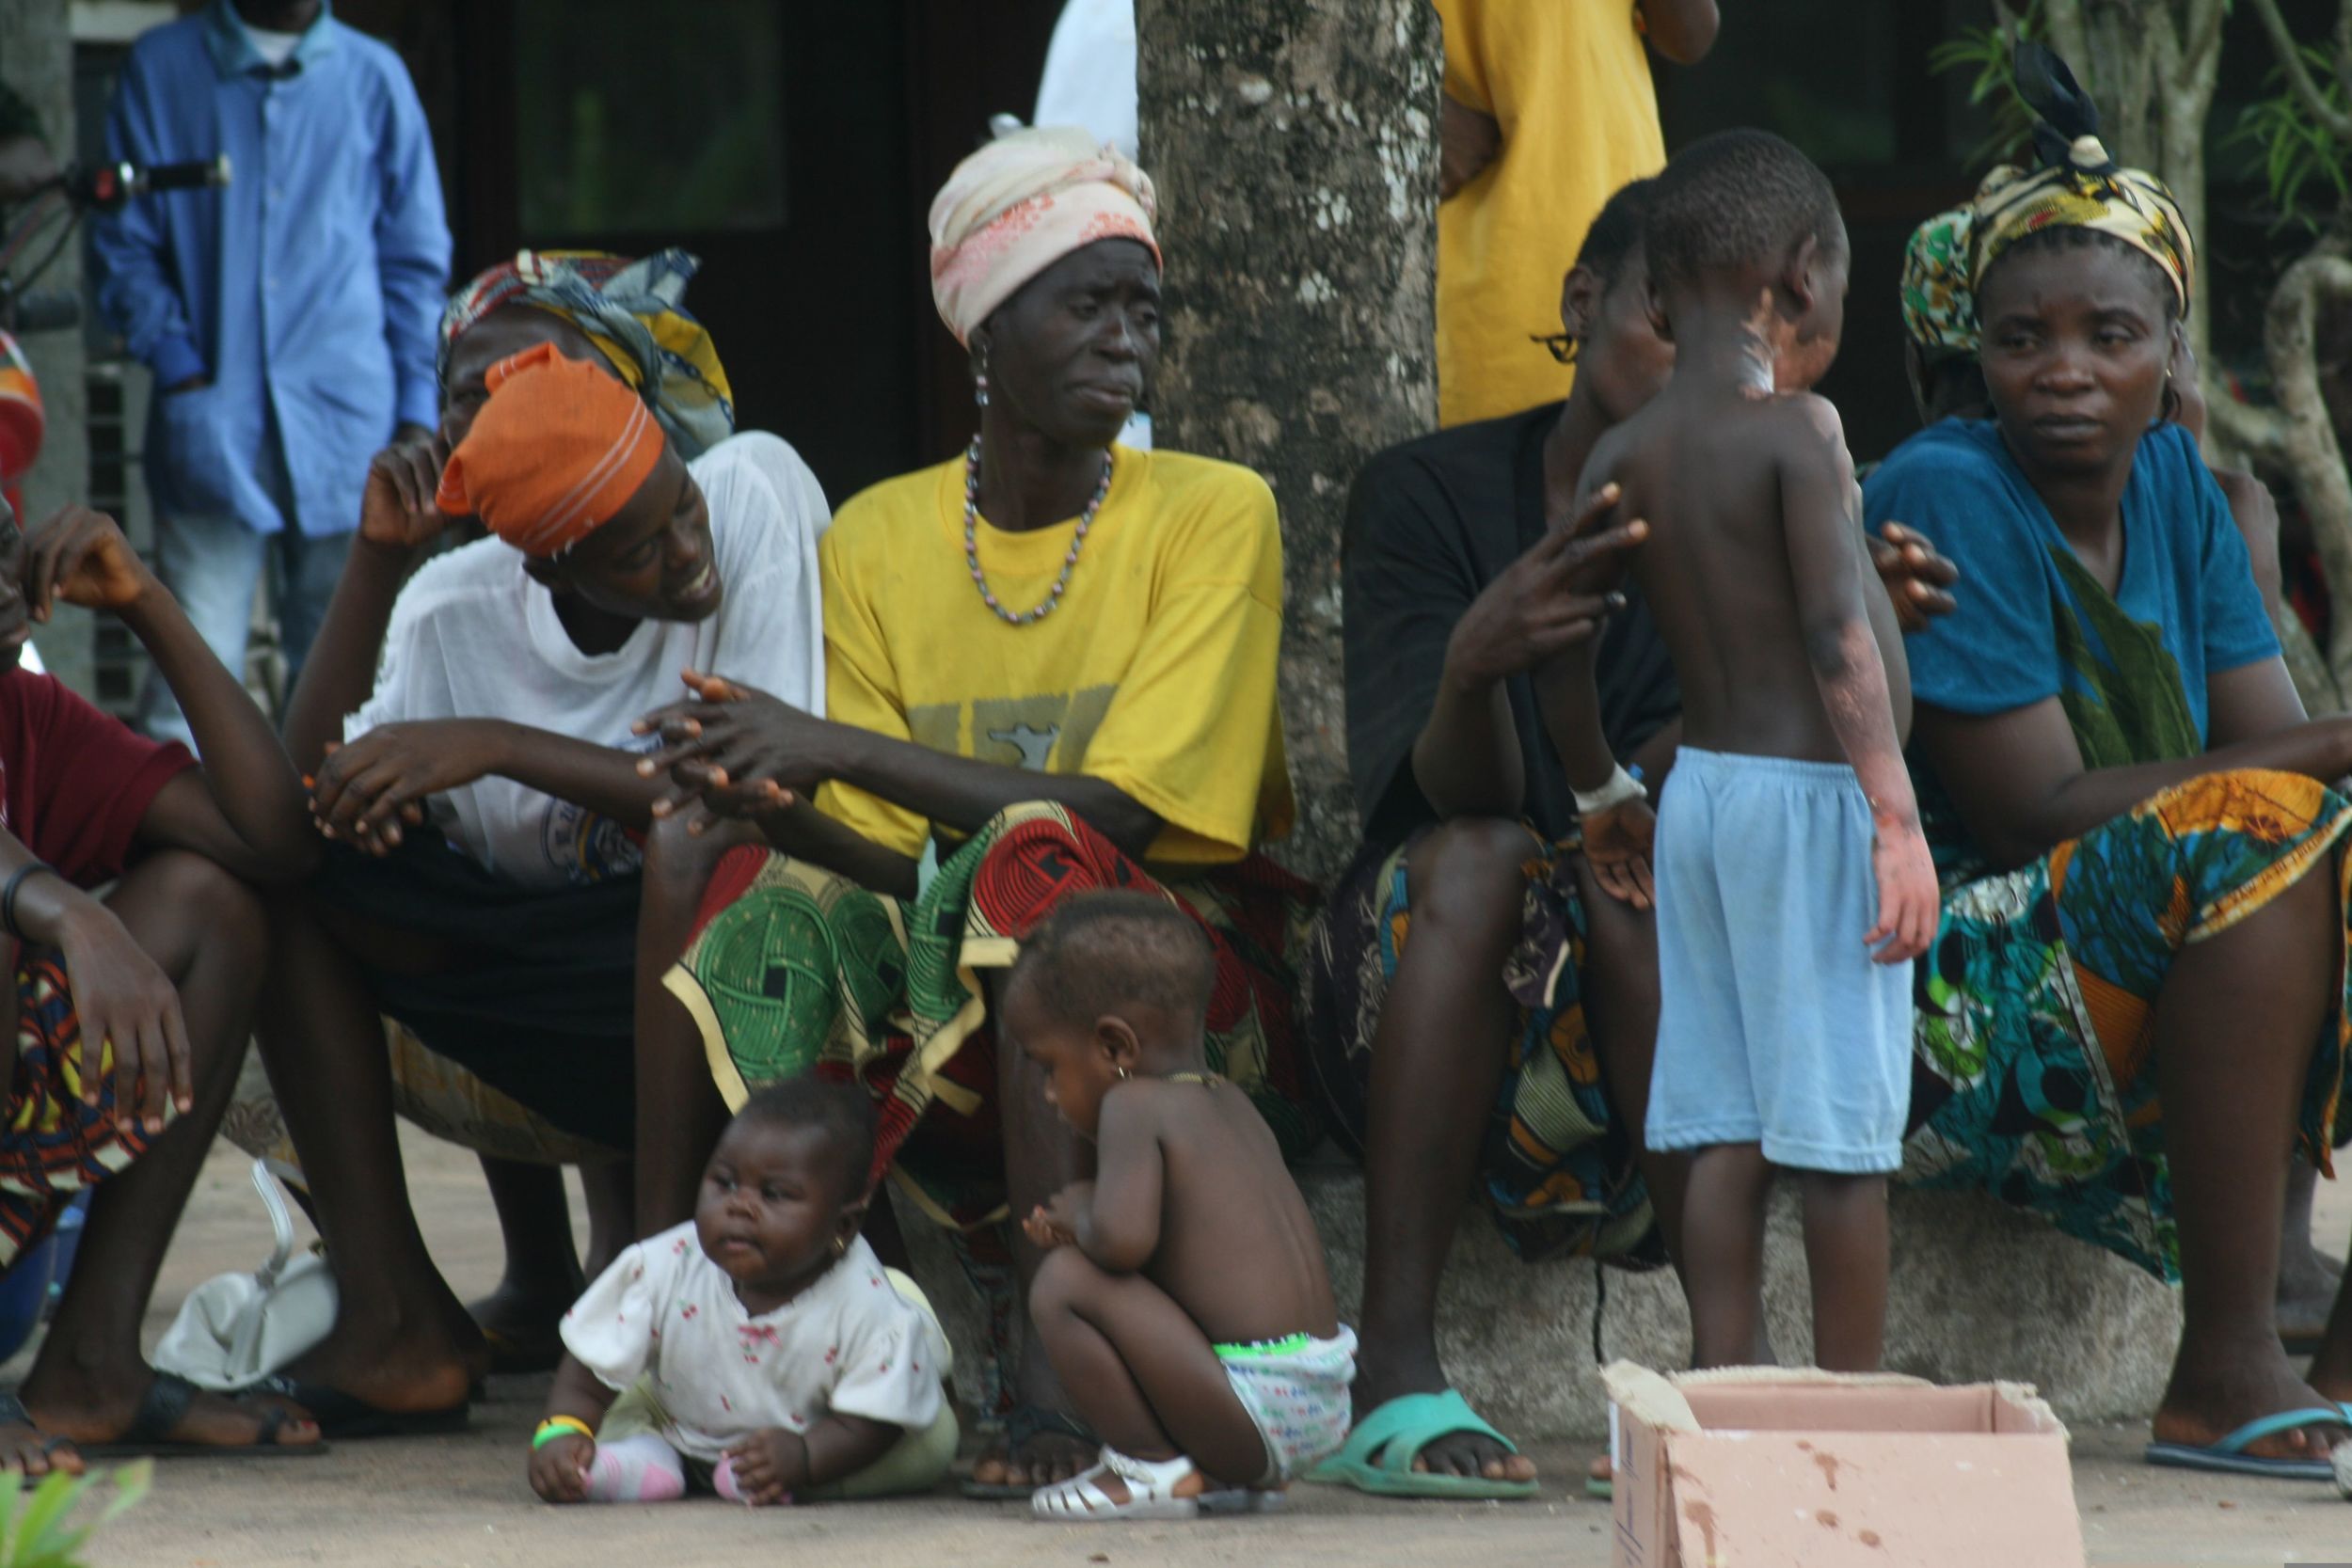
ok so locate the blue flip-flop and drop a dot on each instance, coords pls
(2229, 1456)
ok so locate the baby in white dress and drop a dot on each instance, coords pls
(763, 1349)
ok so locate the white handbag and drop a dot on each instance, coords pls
(236, 1329)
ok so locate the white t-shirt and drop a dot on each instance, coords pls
(849, 1343)
(473, 637)
(1089, 81)
(275, 48)
(1089, 76)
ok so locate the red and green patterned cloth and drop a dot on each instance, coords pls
(791, 968)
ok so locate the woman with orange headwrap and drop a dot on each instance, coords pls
(482, 885)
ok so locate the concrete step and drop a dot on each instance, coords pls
(1979, 1291)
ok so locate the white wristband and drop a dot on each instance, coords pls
(1622, 786)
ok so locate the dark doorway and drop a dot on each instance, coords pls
(804, 196)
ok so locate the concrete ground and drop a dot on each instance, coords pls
(462, 1502)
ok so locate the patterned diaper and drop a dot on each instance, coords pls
(1296, 1391)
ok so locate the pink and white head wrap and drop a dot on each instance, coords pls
(1022, 203)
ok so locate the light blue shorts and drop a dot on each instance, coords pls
(1775, 1027)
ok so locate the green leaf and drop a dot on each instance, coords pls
(2300, 157)
(1986, 54)
(11, 1489)
(40, 1532)
(45, 1534)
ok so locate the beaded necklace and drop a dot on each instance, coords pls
(972, 541)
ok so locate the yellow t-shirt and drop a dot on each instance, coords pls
(1569, 83)
(1155, 674)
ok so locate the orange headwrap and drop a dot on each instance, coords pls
(558, 449)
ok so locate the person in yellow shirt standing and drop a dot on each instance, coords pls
(1549, 109)
(1053, 660)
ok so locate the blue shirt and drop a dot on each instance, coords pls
(2187, 589)
(310, 289)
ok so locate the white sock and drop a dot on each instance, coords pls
(641, 1468)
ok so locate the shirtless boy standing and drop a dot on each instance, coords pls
(1794, 885)
(1183, 1303)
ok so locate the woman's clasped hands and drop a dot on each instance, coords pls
(731, 752)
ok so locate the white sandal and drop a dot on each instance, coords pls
(1151, 1492)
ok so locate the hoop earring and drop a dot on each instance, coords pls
(840, 1247)
(1122, 1075)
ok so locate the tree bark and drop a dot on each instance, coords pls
(1294, 146)
(2308, 445)
(2298, 436)
(2152, 65)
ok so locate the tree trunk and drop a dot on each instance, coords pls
(2296, 439)
(2152, 65)
(2308, 445)
(1295, 145)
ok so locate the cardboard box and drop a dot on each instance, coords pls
(1769, 1467)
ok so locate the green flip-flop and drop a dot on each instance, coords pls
(1398, 1432)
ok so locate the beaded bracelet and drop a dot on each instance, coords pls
(560, 1426)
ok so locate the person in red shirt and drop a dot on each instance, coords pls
(120, 1039)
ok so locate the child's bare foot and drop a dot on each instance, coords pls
(1033, 1453)
(1041, 1445)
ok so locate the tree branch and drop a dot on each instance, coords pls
(2257, 434)
(2204, 29)
(2064, 30)
(2330, 118)
(2309, 448)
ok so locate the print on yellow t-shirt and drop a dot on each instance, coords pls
(1028, 733)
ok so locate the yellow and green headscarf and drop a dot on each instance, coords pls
(2084, 191)
(634, 313)
(2074, 183)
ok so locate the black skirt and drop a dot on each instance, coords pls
(539, 1001)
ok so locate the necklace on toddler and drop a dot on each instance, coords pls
(972, 540)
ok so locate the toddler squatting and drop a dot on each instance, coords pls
(1182, 1301)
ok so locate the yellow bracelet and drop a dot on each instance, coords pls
(556, 1426)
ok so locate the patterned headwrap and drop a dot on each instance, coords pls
(558, 449)
(1939, 306)
(2077, 185)
(1022, 203)
(631, 312)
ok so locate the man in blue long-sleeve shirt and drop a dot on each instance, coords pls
(289, 319)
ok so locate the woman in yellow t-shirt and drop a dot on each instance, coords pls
(1053, 659)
